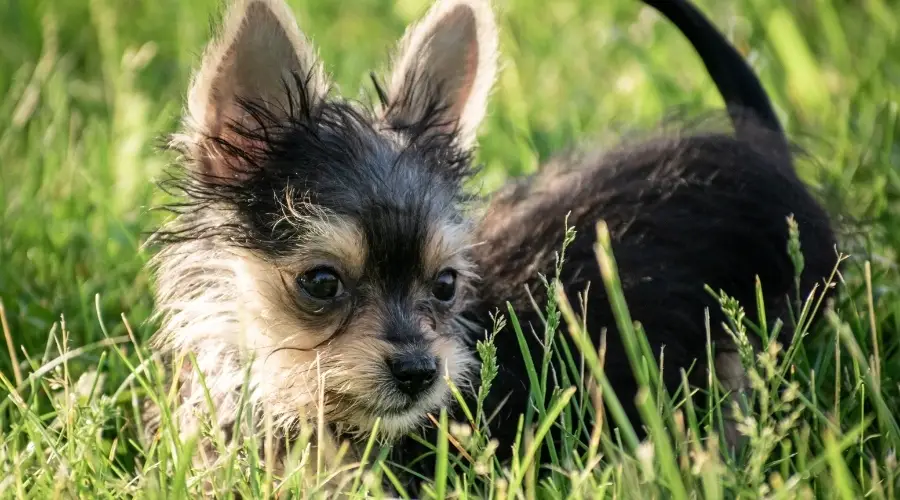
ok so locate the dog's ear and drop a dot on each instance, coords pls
(260, 58)
(444, 70)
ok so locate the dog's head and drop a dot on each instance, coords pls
(324, 241)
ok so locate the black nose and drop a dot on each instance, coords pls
(414, 373)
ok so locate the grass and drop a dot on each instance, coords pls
(88, 89)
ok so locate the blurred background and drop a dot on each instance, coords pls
(90, 88)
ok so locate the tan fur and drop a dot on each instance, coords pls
(445, 248)
(236, 310)
(337, 236)
(252, 320)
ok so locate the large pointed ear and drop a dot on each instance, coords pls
(444, 70)
(261, 59)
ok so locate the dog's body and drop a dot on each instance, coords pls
(331, 247)
(682, 211)
(687, 208)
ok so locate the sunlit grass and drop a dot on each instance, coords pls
(90, 88)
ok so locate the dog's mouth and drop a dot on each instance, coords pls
(393, 410)
(401, 405)
(395, 413)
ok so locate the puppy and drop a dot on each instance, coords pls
(326, 259)
(320, 255)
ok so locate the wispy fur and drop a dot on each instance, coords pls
(279, 178)
(687, 207)
(294, 178)
(217, 277)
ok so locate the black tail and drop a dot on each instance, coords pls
(735, 79)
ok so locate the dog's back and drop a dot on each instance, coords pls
(683, 212)
(686, 209)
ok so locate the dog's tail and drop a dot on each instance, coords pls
(737, 83)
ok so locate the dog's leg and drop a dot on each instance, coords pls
(733, 379)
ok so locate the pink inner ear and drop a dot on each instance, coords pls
(453, 52)
(214, 114)
(259, 57)
(219, 161)
(471, 66)
(457, 28)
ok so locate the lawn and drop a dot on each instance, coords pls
(90, 88)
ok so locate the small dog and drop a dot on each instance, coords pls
(324, 244)
(332, 248)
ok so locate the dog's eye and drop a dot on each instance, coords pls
(444, 287)
(321, 283)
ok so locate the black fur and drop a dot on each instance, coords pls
(685, 209)
(683, 212)
(336, 156)
(734, 78)
(329, 154)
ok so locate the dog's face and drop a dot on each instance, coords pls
(326, 242)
